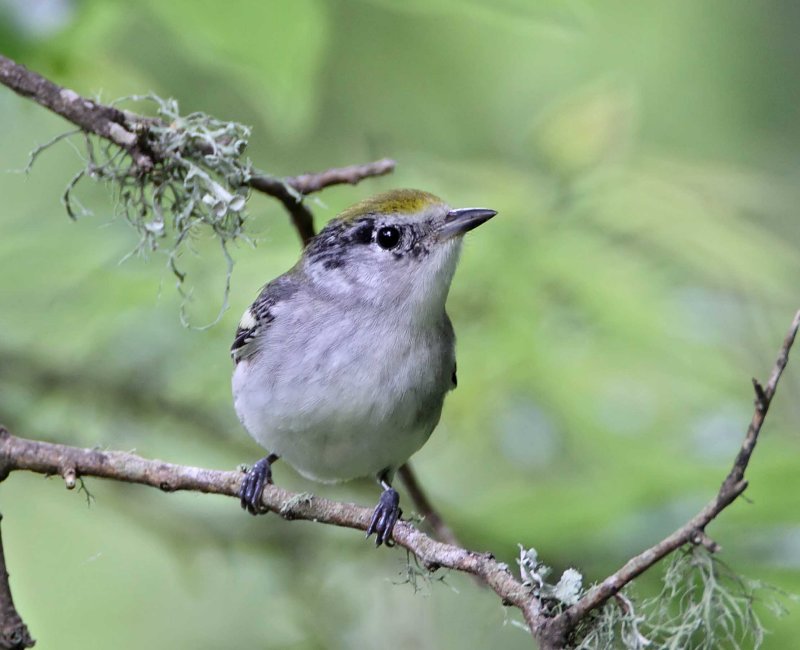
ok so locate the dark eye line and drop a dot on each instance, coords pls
(363, 234)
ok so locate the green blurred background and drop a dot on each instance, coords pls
(644, 265)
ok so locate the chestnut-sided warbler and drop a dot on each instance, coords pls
(343, 362)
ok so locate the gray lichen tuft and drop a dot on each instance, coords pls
(555, 597)
(703, 605)
(197, 183)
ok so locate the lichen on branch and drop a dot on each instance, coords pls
(196, 181)
(173, 176)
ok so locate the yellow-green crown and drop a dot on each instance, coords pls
(399, 202)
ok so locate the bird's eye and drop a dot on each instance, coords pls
(388, 237)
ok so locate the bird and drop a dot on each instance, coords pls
(342, 364)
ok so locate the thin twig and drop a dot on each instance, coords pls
(302, 219)
(424, 507)
(291, 189)
(351, 175)
(692, 531)
(14, 633)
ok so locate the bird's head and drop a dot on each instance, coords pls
(397, 249)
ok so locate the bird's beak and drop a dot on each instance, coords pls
(457, 222)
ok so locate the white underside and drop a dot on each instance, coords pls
(354, 399)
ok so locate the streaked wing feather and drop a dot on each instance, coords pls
(259, 315)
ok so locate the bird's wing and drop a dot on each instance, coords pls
(450, 335)
(257, 317)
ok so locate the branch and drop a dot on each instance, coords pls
(72, 462)
(693, 531)
(105, 121)
(306, 184)
(131, 132)
(302, 219)
(14, 633)
(350, 175)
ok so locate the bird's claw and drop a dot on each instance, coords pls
(253, 484)
(386, 514)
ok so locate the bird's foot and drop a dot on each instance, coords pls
(386, 514)
(253, 484)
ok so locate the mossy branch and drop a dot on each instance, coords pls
(172, 174)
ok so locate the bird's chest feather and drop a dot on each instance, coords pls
(363, 367)
(341, 395)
